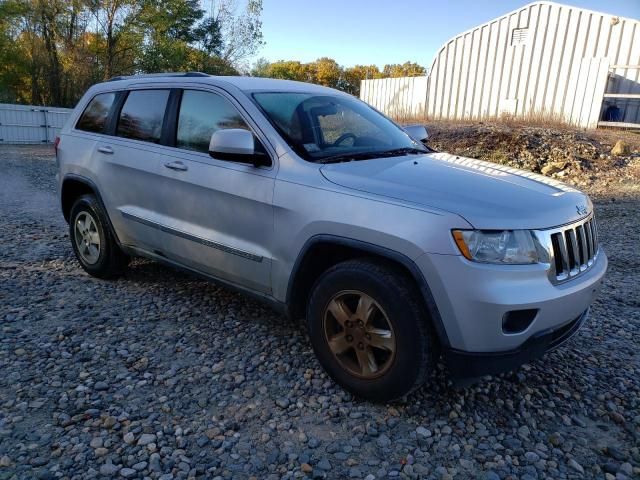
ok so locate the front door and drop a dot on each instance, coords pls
(214, 215)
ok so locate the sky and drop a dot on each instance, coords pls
(377, 32)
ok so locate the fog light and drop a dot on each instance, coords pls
(517, 321)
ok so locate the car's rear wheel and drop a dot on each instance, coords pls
(92, 242)
(370, 331)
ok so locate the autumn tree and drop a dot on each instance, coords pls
(289, 70)
(354, 75)
(327, 72)
(407, 69)
(51, 51)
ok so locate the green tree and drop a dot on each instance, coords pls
(260, 68)
(241, 34)
(117, 39)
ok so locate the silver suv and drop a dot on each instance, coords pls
(396, 255)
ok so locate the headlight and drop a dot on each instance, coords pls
(499, 246)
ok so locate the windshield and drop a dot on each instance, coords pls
(322, 128)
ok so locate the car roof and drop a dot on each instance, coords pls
(246, 84)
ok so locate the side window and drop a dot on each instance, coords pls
(142, 115)
(201, 114)
(94, 117)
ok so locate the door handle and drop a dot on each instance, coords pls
(107, 150)
(179, 166)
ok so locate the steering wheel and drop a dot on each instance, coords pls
(343, 137)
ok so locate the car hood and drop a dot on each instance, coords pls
(487, 195)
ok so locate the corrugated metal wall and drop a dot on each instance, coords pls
(30, 124)
(530, 61)
(543, 59)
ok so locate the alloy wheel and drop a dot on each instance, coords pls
(87, 237)
(359, 334)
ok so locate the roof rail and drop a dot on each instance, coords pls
(157, 75)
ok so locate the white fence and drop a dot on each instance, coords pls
(30, 124)
(403, 97)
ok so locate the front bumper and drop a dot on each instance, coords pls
(473, 298)
(476, 364)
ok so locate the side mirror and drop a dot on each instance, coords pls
(237, 145)
(417, 132)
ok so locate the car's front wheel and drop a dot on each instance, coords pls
(93, 244)
(370, 331)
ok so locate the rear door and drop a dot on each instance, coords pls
(127, 162)
(214, 215)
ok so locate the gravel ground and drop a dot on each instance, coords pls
(161, 375)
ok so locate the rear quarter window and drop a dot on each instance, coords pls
(94, 117)
(142, 115)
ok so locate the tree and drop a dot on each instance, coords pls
(52, 50)
(354, 75)
(260, 68)
(114, 22)
(14, 62)
(407, 69)
(289, 70)
(209, 35)
(241, 34)
(326, 71)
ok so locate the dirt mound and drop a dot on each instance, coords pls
(580, 158)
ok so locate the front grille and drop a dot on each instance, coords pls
(574, 248)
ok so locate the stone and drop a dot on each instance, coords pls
(575, 465)
(383, 441)
(217, 367)
(556, 439)
(101, 451)
(128, 472)
(128, 438)
(554, 167)
(621, 148)
(146, 439)
(306, 468)
(96, 442)
(108, 469)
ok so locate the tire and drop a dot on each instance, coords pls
(92, 241)
(396, 301)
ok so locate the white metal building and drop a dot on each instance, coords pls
(543, 59)
(30, 124)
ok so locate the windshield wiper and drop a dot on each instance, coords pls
(347, 157)
(402, 151)
(370, 155)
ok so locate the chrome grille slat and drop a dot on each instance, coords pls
(587, 230)
(573, 249)
(574, 260)
(582, 244)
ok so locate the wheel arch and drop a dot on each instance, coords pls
(73, 187)
(323, 251)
